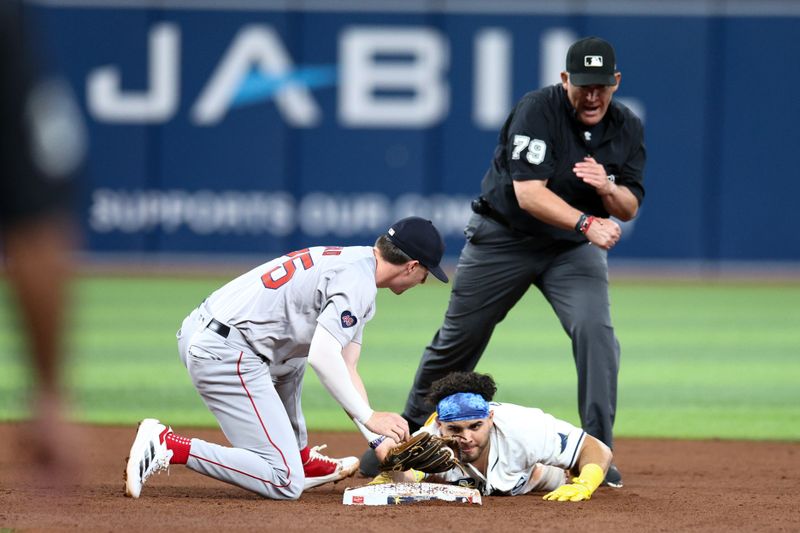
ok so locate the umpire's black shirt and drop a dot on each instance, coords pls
(542, 140)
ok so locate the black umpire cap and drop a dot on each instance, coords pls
(591, 61)
(420, 240)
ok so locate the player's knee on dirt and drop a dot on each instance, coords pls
(285, 487)
(287, 482)
(293, 490)
(296, 483)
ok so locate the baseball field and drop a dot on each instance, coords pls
(708, 423)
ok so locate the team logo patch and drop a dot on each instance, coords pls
(563, 441)
(348, 320)
(519, 486)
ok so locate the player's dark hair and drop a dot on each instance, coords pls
(391, 253)
(454, 382)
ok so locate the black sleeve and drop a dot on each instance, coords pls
(632, 175)
(529, 141)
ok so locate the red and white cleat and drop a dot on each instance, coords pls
(149, 455)
(320, 469)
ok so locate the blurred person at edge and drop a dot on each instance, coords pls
(42, 147)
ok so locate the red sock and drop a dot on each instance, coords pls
(180, 447)
(304, 455)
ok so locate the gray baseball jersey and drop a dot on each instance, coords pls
(277, 306)
(245, 349)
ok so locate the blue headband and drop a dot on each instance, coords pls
(462, 406)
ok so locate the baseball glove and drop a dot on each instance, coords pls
(424, 452)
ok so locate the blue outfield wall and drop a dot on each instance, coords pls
(254, 129)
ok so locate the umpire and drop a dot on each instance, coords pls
(568, 158)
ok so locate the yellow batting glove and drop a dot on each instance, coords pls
(388, 477)
(380, 479)
(574, 492)
(581, 487)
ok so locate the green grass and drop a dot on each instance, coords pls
(698, 360)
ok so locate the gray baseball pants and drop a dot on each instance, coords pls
(257, 406)
(495, 269)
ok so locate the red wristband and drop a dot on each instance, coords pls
(583, 223)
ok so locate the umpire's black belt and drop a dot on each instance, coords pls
(219, 328)
(482, 207)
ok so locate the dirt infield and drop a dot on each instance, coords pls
(670, 485)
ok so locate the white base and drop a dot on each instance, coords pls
(400, 493)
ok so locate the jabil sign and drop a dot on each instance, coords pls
(386, 77)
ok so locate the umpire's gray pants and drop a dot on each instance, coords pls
(495, 269)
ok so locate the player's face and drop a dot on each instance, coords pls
(591, 101)
(413, 275)
(472, 436)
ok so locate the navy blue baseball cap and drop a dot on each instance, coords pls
(419, 239)
(591, 61)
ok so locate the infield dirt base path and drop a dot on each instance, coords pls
(670, 485)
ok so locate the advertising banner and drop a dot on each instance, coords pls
(260, 126)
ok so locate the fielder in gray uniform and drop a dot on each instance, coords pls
(246, 348)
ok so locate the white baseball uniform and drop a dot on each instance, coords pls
(529, 450)
(246, 348)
